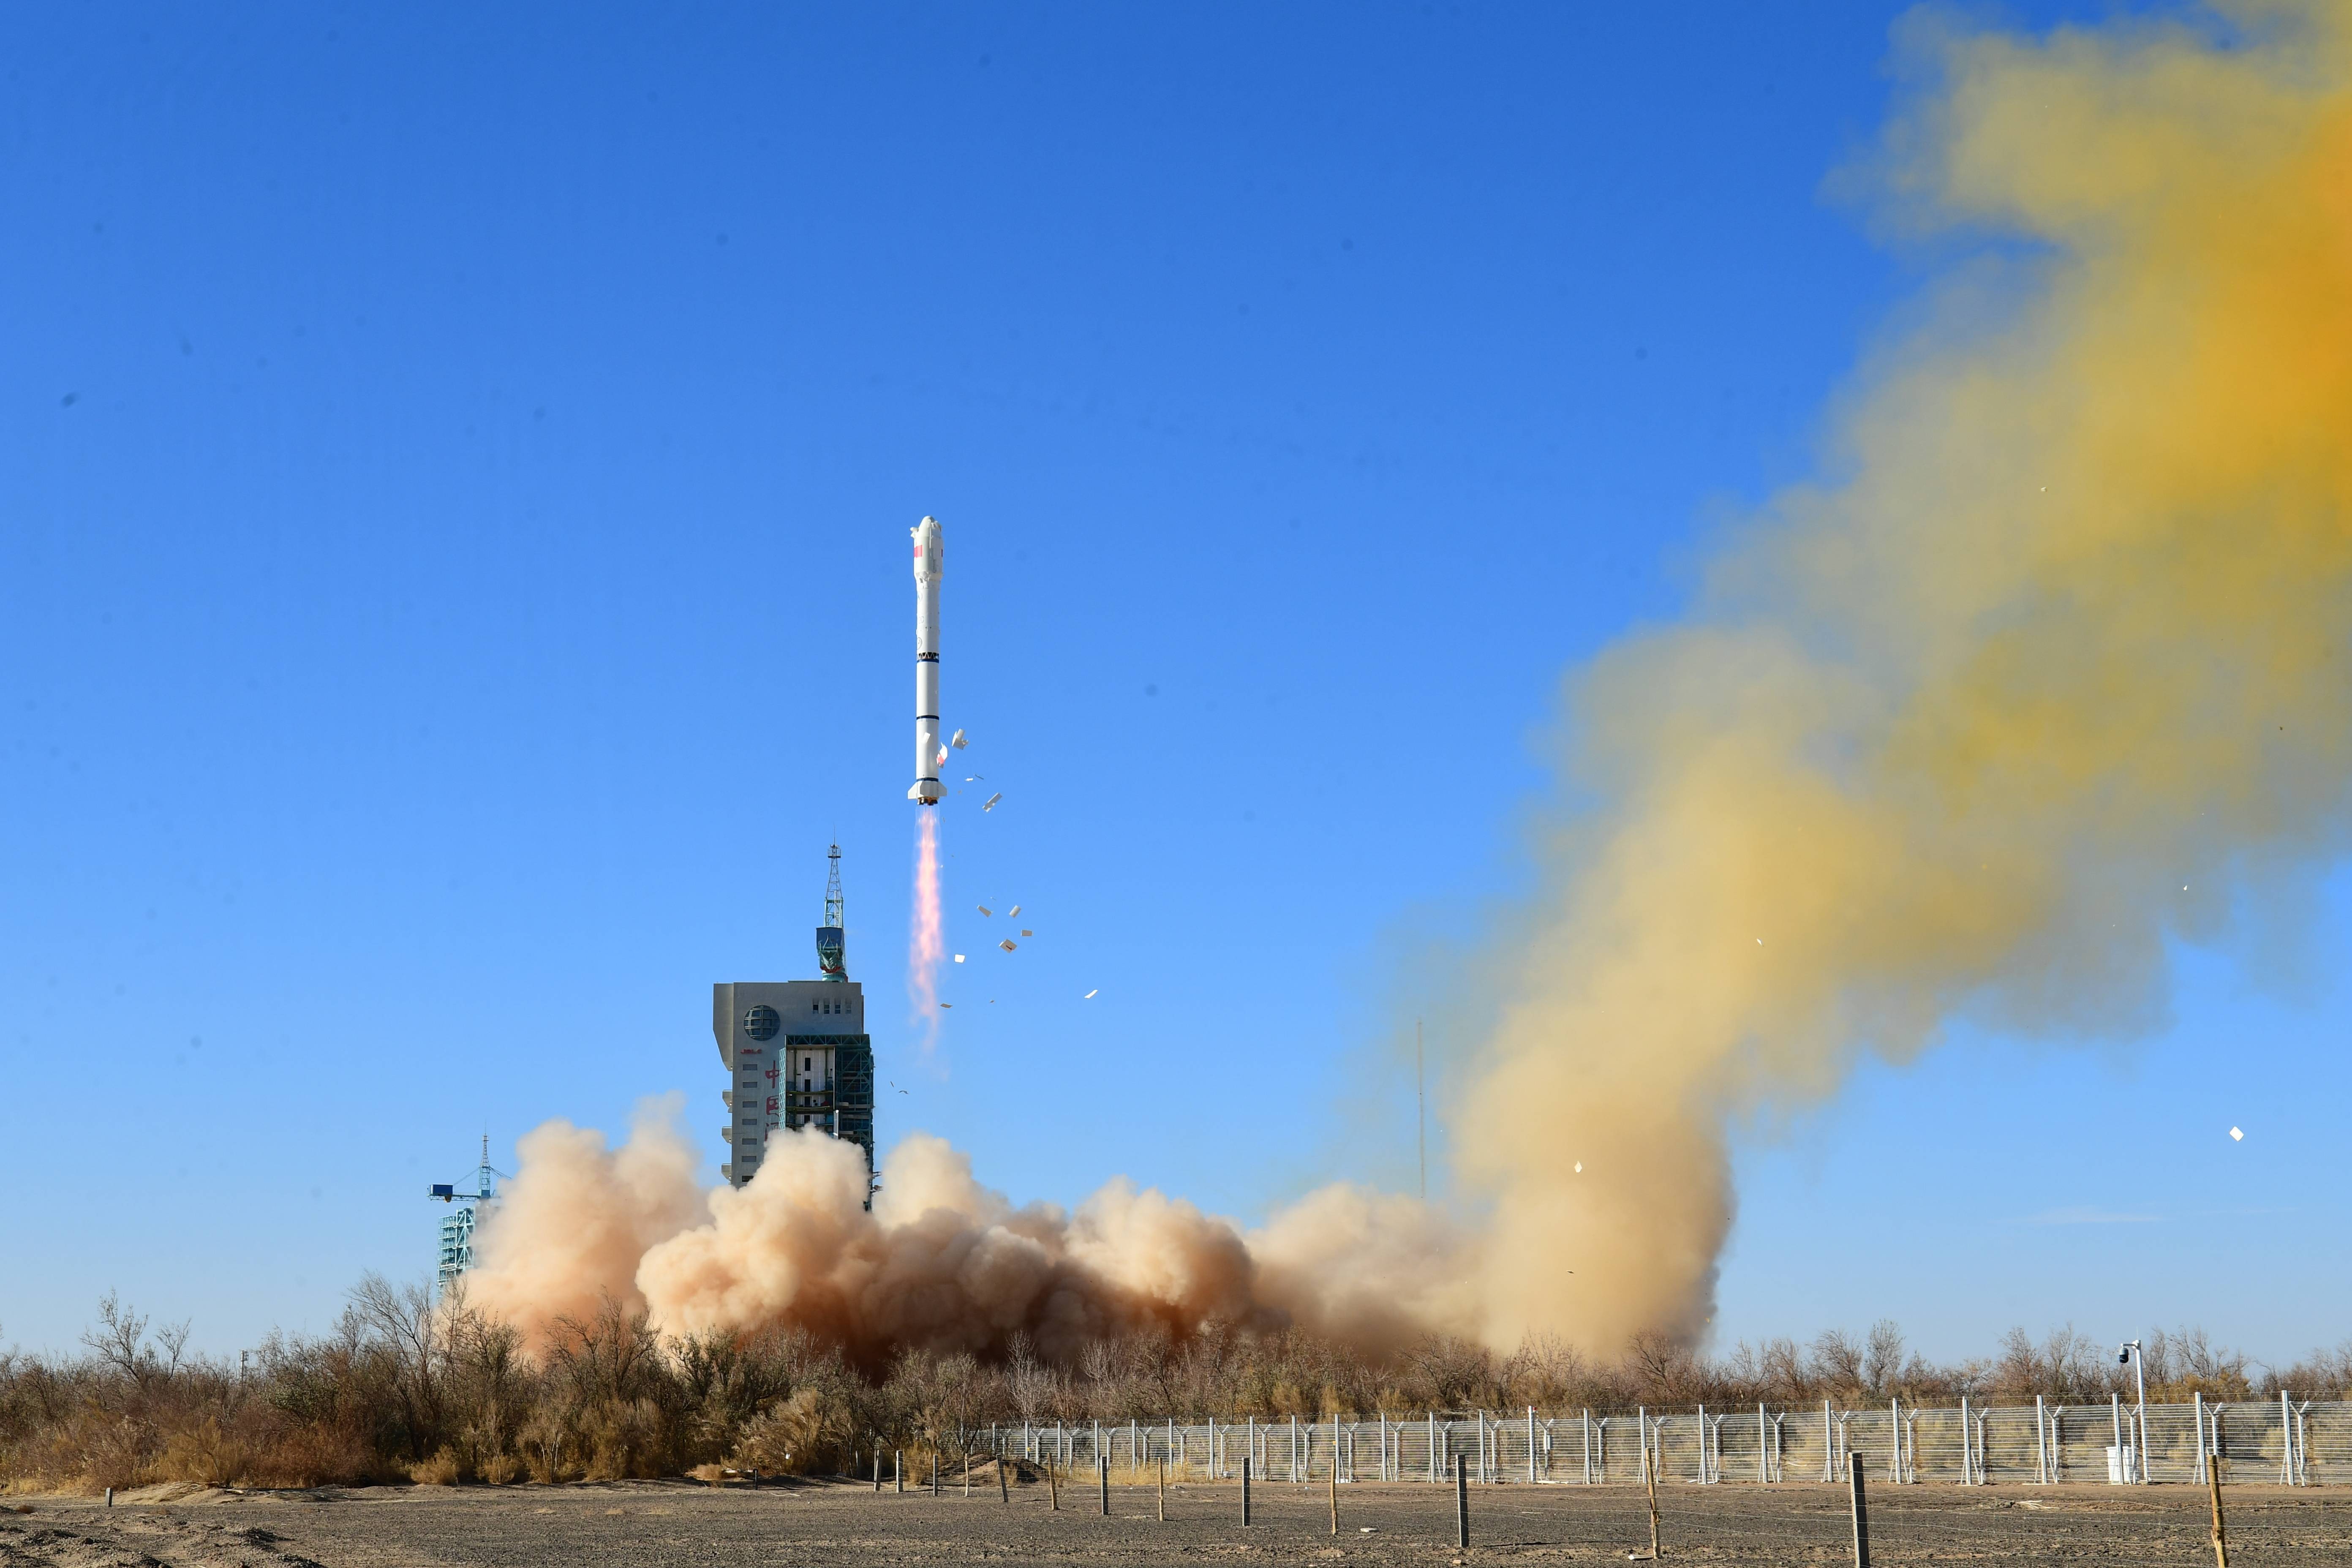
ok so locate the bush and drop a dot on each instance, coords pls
(440, 1470)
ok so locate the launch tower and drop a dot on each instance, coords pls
(797, 1051)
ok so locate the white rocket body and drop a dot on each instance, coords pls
(931, 562)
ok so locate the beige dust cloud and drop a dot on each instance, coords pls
(2046, 670)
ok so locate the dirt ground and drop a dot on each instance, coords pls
(646, 1522)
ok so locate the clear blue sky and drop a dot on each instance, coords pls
(454, 475)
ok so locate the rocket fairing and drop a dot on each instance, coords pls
(930, 560)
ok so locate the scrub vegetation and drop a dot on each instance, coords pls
(400, 1390)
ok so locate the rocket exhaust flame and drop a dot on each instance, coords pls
(1952, 732)
(926, 937)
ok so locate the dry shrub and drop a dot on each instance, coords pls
(713, 1474)
(501, 1469)
(440, 1470)
(206, 1454)
(813, 1430)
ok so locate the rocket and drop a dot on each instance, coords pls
(931, 562)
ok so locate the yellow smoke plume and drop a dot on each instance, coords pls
(2046, 670)
(2053, 661)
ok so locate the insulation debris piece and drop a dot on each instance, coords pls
(959, 958)
(983, 908)
(1090, 995)
(946, 1005)
(2236, 1136)
(940, 758)
(990, 804)
(1013, 912)
(1008, 944)
(958, 740)
(1026, 931)
(1579, 1167)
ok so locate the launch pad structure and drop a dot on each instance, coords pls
(797, 1053)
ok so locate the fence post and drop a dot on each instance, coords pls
(2286, 1441)
(1164, 1489)
(1650, 1480)
(1003, 1486)
(1054, 1484)
(1829, 1445)
(1246, 1495)
(1531, 1444)
(1588, 1444)
(1965, 1479)
(1861, 1514)
(1335, 1480)
(2213, 1488)
(1102, 1481)
(1433, 1447)
(1460, 1503)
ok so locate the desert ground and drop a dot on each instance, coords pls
(839, 1522)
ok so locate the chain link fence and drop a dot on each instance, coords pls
(2277, 1442)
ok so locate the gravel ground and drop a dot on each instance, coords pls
(829, 1522)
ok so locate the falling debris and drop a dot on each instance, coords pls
(1026, 931)
(2236, 1136)
(1090, 995)
(940, 758)
(1008, 944)
(1013, 913)
(946, 1005)
(957, 741)
(990, 804)
(959, 958)
(983, 908)
(1579, 1167)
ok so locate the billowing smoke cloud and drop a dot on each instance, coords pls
(941, 1262)
(2051, 668)
(2047, 670)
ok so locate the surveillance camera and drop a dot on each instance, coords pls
(2122, 1355)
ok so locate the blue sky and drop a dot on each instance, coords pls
(454, 475)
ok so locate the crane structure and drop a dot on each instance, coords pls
(467, 1209)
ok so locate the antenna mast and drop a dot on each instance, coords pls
(832, 959)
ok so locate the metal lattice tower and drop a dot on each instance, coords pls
(833, 886)
(469, 1208)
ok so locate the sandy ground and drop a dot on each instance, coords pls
(831, 1522)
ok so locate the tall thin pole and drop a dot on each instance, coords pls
(1420, 1109)
(1861, 1513)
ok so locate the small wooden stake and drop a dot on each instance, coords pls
(2213, 1481)
(1102, 1477)
(1054, 1485)
(1245, 1497)
(1650, 1479)
(1164, 1489)
(1335, 1490)
(1461, 1504)
(898, 1470)
(1003, 1488)
(1861, 1513)
(967, 1472)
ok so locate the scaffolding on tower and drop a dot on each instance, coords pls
(468, 1208)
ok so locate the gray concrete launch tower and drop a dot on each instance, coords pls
(797, 1051)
